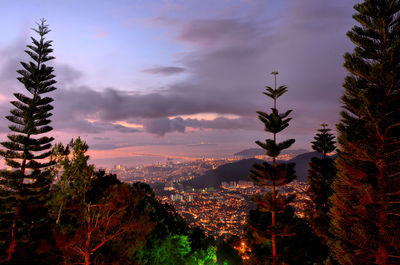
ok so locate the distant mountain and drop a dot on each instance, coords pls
(302, 162)
(239, 170)
(258, 151)
(250, 152)
(229, 172)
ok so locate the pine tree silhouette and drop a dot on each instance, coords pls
(273, 175)
(24, 223)
(320, 177)
(366, 198)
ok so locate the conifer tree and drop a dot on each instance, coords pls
(366, 198)
(320, 177)
(25, 188)
(74, 173)
(273, 175)
(324, 141)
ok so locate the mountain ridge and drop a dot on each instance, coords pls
(239, 170)
(258, 151)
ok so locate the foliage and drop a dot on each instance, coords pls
(25, 187)
(104, 221)
(74, 174)
(302, 247)
(324, 141)
(273, 175)
(113, 220)
(365, 202)
(227, 253)
(171, 231)
(320, 177)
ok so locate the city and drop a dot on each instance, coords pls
(219, 211)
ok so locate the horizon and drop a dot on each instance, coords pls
(181, 79)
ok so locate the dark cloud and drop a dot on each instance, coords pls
(4, 110)
(230, 61)
(164, 125)
(230, 67)
(164, 70)
(66, 75)
(114, 105)
(11, 56)
(82, 125)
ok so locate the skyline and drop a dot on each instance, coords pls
(178, 78)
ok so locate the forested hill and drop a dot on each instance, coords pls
(229, 172)
(258, 151)
(240, 171)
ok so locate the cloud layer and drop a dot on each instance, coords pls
(229, 60)
(164, 70)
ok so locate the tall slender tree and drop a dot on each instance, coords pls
(25, 188)
(366, 200)
(273, 175)
(320, 177)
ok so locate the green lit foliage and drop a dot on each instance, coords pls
(176, 249)
(170, 250)
(365, 202)
(24, 221)
(321, 174)
(273, 176)
(172, 241)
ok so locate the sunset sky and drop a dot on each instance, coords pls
(143, 79)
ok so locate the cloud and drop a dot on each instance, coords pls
(229, 60)
(11, 56)
(164, 70)
(162, 126)
(108, 146)
(66, 75)
(221, 32)
(82, 125)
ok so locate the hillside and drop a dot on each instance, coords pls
(229, 172)
(258, 151)
(240, 171)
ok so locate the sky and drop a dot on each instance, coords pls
(143, 80)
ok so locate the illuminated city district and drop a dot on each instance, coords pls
(219, 211)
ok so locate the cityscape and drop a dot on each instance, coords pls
(219, 211)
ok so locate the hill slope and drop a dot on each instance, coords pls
(229, 172)
(240, 171)
(258, 151)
